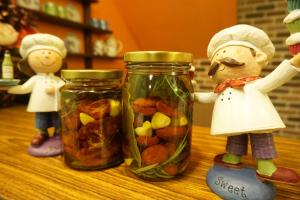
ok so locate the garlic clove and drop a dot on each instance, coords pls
(160, 120)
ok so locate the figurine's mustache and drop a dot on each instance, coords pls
(230, 62)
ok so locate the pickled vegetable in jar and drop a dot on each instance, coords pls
(91, 118)
(157, 114)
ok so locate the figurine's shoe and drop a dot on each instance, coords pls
(281, 175)
(218, 160)
(38, 140)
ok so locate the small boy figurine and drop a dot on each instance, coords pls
(42, 54)
(242, 107)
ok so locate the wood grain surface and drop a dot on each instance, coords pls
(25, 177)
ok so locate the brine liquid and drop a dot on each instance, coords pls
(157, 121)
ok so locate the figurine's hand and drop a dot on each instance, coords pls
(50, 90)
(15, 90)
(296, 60)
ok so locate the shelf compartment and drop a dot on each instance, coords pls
(65, 22)
(88, 1)
(83, 55)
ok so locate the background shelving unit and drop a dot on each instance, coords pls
(87, 29)
(84, 55)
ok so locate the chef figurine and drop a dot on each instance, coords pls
(242, 107)
(42, 55)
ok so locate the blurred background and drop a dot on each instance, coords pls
(133, 25)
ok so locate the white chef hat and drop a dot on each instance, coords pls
(241, 35)
(40, 41)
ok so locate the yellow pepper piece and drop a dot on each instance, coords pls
(115, 107)
(179, 121)
(145, 130)
(160, 120)
(128, 161)
(85, 118)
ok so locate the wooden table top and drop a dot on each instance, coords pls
(25, 177)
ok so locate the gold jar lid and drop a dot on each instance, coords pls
(91, 74)
(158, 56)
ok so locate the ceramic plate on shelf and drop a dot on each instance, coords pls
(9, 82)
(72, 13)
(30, 4)
(72, 43)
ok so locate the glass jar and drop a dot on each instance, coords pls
(91, 118)
(157, 113)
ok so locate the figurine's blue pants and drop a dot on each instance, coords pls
(262, 145)
(45, 120)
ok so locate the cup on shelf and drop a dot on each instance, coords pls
(102, 24)
(93, 22)
(99, 23)
(50, 8)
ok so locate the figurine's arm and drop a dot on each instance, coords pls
(282, 74)
(23, 89)
(296, 61)
(60, 83)
(205, 97)
(55, 88)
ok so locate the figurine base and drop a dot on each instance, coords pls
(51, 147)
(238, 184)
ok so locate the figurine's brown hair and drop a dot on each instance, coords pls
(25, 68)
(253, 52)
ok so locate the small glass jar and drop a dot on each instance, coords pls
(91, 118)
(157, 113)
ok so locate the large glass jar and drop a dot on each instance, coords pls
(91, 118)
(157, 113)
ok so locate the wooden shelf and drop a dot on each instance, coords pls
(17, 57)
(106, 57)
(14, 58)
(88, 1)
(82, 55)
(67, 22)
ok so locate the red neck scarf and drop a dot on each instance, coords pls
(234, 83)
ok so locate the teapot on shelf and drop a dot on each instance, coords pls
(113, 47)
